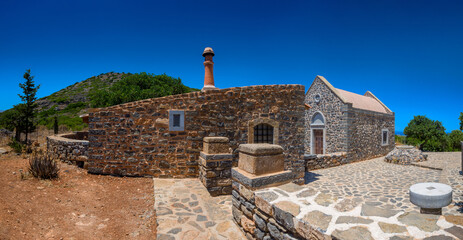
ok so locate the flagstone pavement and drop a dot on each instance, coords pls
(185, 210)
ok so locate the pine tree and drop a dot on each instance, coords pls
(29, 111)
(55, 125)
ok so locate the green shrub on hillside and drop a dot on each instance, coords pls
(75, 108)
(455, 139)
(135, 87)
(428, 134)
(400, 139)
(16, 146)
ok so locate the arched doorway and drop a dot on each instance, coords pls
(317, 126)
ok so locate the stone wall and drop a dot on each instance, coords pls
(365, 134)
(133, 139)
(67, 148)
(334, 112)
(314, 161)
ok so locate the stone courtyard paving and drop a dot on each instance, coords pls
(386, 184)
(185, 210)
(364, 200)
(370, 199)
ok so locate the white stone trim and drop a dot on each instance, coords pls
(317, 127)
(315, 113)
(173, 128)
(330, 87)
(388, 138)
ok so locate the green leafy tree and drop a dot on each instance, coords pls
(455, 139)
(11, 119)
(428, 134)
(134, 87)
(29, 111)
(461, 121)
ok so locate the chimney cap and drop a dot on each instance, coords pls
(207, 51)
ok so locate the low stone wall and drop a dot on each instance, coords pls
(260, 219)
(314, 161)
(215, 163)
(67, 148)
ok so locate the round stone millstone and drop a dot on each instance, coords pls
(431, 195)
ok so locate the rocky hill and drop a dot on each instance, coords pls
(67, 104)
(78, 92)
(70, 102)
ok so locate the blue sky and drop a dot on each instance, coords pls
(408, 53)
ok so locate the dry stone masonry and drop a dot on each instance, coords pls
(69, 148)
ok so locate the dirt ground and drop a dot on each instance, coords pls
(76, 206)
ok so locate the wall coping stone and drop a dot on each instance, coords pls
(267, 180)
(62, 138)
(261, 149)
(199, 94)
(216, 139)
(216, 156)
(310, 156)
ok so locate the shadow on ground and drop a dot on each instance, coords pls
(311, 177)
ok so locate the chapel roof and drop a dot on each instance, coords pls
(362, 102)
(368, 101)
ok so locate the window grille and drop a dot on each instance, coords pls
(263, 133)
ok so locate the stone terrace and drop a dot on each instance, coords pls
(364, 200)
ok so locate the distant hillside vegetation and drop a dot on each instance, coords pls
(103, 90)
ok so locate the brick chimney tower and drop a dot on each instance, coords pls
(208, 67)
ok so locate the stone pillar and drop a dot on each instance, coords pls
(215, 163)
(461, 158)
(259, 166)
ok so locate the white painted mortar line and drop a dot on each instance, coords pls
(372, 227)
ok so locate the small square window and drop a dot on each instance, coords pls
(176, 120)
(384, 137)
